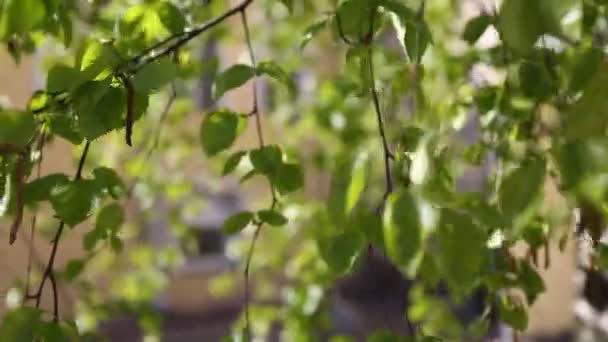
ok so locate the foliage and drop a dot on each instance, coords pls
(371, 92)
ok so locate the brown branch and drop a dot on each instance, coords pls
(254, 112)
(130, 98)
(173, 43)
(49, 270)
(387, 153)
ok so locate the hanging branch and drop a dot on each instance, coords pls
(49, 270)
(258, 225)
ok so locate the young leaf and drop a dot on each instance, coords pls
(267, 160)
(521, 188)
(63, 78)
(110, 218)
(237, 222)
(476, 27)
(154, 76)
(106, 179)
(74, 268)
(514, 314)
(417, 39)
(219, 130)
(460, 249)
(99, 108)
(587, 117)
(73, 202)
(232, 162)
(171, 17)
(289, 178)
(272, 217)
(40, 189)
(231, 78)
(16, 128)
(21, 16)
(357, 183)
(531, 282)
(522, 22)
(273, 70)
(98, 61)
(402, 228)
(312, 31)
(20, 324)
(340, 251)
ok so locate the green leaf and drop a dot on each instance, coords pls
(357, 183)
(400, 15)
(74, 201)
(586, 64)
(65, 125)
(106, 179)
(513, 314)
(535, 80)
(171, 17)
(21, 16)
(402, 228)
(522, 22)
(417, 39)
(289, 178)
(340, 182)
(273, 70)
(219, 130)
(521, 188)
(312, 31)
(267, 160)
(98, 61)
(63, 78)
(237, 222)
(20, 324)
(40, 189)
(74, 268)
(99, 107)
(116, 244)
(16, 128)
(589, 115)
(110, 218)
(531, 282)
(354, 18)
(154, 76)
(459, 250)
(340, 251)
(476, 27)
(231, 78)
(232, 162)
(272, 217)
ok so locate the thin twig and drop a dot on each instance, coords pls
(256, 113)
(173, 43)
(376, 100)
(48, 271)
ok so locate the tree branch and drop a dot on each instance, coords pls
(49, 270)
(172, 43)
